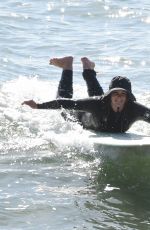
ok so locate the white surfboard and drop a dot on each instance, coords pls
(113, 144)
(119, 139)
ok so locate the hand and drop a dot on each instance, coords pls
(30, 103)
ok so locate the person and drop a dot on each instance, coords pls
(113, 111)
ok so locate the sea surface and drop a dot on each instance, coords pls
(51, 176)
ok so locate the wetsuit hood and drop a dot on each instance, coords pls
(121, 83)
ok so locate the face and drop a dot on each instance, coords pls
(118, 100)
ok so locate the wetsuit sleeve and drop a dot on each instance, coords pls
(142, 112)
(87, 105)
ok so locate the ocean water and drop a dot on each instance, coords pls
(51, 176)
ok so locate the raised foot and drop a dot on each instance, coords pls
(87, 64)
(64, 63)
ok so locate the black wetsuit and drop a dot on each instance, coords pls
(95, 112)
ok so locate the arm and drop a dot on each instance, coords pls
(87, 105)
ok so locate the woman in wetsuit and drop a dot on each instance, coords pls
(114, 111)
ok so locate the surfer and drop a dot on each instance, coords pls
(113, 111)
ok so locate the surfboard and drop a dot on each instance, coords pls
(120, 142)
(119, 139)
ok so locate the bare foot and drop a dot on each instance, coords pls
(87, 64)
(64, 63)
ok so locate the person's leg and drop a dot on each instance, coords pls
(65, 89)
(89, 75)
